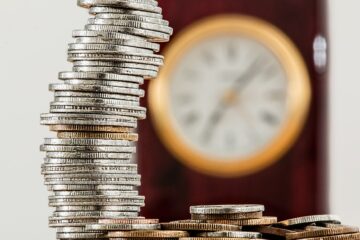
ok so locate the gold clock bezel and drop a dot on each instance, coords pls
(299, 94)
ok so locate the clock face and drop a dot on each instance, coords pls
(228, 96)
(232, 97)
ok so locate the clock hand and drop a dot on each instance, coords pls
(218, 113)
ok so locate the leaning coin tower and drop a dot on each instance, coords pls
(88, 167)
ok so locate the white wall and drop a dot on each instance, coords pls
(31, 56)
(345, 109)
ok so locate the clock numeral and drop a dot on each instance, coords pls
(269, 118)
(191, 118)
(209, 58)
(231, 52)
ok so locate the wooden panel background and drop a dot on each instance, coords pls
(293, 186)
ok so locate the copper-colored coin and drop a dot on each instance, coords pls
(94, 135)
(148, 234)
(191, 226)
(315, 231)
(354, 236)
(88, 128)
(128, 221)
(247, 222)
(274, 231)
(233, 216)
(143, 238)
(213, 238)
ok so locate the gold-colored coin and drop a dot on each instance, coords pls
(233, 216)
(88, 128)
(274, 231)
(315, 231)
(95, 135)
(247, 222)
(355, 236)
(148, 234)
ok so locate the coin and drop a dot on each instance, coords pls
(246, 215)
(247, 222)
(271, 230)
(102, 9)
(148, 234)
(86, 142)
(88, 119)
(226, 209)
(91, 128)
(191, 226)
(315, 231)
(110, 136)
(229, 234)
(100, 76)
(122, 227)
(310, 219)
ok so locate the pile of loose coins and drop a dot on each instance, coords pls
(226, 222)
(88, 167)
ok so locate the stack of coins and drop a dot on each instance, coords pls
(222, 222)
(245, 216)
(134, 229)
(88, 168)
(317, 227)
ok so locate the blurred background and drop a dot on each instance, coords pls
(303, 161)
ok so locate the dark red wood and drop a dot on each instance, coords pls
(295, 185)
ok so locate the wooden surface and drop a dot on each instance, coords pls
(296, 184)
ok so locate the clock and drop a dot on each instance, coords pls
(232, 97)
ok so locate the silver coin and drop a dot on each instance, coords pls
(74, 161)
(92, 88)
(58, 222)
(93, 108)
(229, 234)
(131, 24)
(76, 208)
(85, 235)
(87, 119)
(96, 201)
(129, 4)
(95, 214)
(95, 193)
(82, 187)
(123, 42)
(87, 142)
(114, 96)
(100, 76)
(97, 100)
(102, 83)
(122, 227)
(107, 35)
(86, 63)
(130, 71)
(103, 9)
(150, 34)
(131, 17)
(226, 209)
(310, 219)
(92, 155)
(89, 168)
(73, 47)
(60, 148)
(103, 56)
